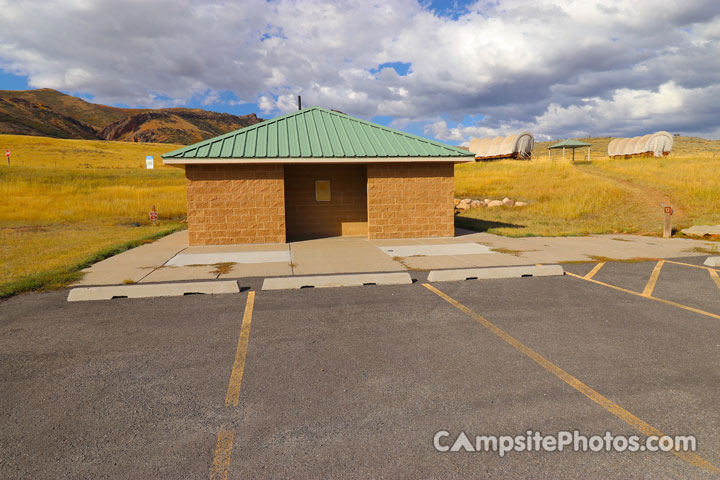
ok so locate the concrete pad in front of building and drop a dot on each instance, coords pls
(433, 262)
(435, 250)
(329, 281)
(243, 247)
(532, 250)
(613, 246)
(360, 255)
(211, 258)
(135, 264)
(463, 261)
(340, 255)
(387, 242)
(174, 274)
(272, 269)
(151, 290)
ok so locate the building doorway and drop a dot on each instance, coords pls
(325, 201)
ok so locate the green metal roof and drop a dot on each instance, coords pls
(313, 133)
(570, 143)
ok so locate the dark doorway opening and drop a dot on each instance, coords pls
(325, 201)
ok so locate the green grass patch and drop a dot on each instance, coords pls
(61, 277)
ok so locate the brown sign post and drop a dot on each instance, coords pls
(667, 227)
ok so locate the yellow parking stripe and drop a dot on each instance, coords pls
(653, 279)
(223, 451)
(714, 276)
(667, 302)
(606, 403)
(592, 272)
(236, 376)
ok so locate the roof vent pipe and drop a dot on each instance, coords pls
(299, 102)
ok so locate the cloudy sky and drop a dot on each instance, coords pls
(449, 70)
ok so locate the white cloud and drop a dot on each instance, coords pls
(558, 67)
(627, 112)
(266, 104)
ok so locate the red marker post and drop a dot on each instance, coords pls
(7, 154)
(153, 215)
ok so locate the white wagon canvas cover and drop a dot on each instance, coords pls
(657, 144)
(512, 146)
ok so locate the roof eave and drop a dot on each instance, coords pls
(309, 160)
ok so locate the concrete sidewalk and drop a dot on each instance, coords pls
(154, 262)
(134, 265)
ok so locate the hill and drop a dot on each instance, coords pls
(50, 113)
(175, 125)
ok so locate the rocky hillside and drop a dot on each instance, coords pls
(50, 113)
(24, 117)
(177, 125)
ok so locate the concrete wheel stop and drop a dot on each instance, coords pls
(713, 262)
(329, 281)
(490, 273)
(81, 294)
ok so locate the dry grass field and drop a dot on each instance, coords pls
(64, 203)
(601, 196)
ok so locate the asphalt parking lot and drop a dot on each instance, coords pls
(355, 382)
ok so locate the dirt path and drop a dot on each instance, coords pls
(650, 198)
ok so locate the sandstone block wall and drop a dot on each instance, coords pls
(229, 204)
(232, 204)
(410, 200)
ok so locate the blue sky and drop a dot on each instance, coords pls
(446, 70)
(8, 81)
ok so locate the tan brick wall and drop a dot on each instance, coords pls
(230, 204)
(344, 214)
(410, 200)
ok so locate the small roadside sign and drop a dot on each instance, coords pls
(149, 162)
(153, 215)
(667, 226)
(7, 154)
